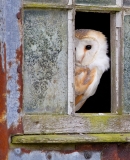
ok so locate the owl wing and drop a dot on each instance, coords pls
(83, 79)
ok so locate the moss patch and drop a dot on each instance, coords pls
(75, 138)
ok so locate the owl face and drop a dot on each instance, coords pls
(86, 50)
(91, 47)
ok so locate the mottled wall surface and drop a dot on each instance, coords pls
(45, 61)
(17, 154)
(126, 93)
(98, 151)
(96, 2)
(13, 44)
(10, 42)
(3, 112)
(49, 1)
(11, 83)
(126, 2)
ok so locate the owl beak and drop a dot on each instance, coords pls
(79, 61)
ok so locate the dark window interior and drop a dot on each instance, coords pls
(100, 102)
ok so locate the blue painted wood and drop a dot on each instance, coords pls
(12, 42)
(53, 155)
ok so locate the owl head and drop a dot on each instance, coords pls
(91, 49)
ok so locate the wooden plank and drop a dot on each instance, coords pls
(92, 8)
(71, 61)
(46, 5)
(71, 138)
(116, 62)
(47, 1)
(85, 8)
(97, 2)
(78, 123)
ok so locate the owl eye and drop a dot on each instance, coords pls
(88, 47)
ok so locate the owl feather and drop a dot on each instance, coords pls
(91, 62)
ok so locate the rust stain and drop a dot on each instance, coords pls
(19, 129)
(16, 130)
(108, 150)
(19, 69)
(20, 79)
(25, 150)
(90, 147)
(9, 77)
(10, 64)
(8, 91)
(19, 17)
(3, 125)
(19, 53)
(124, 151)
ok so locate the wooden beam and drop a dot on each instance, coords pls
(46, 6)
(84, 138)
(91, 8)
(78, 123)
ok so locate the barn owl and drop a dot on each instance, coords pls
(91, 62)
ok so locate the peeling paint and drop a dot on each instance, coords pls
(13, 42)
(11, 92)
(19, 53)
(3, 128)
(2, 32)
(108, 150)
(52, 155)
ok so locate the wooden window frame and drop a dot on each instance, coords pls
(79, 127)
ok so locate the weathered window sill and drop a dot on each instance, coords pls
(75, 124)
(46, 5)
(108, 8)
(79, 138)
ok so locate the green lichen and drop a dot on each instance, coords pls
(45, 5)
(34, 146)
(95, 121)
(75, 138)
(98, 8)
(85, 8)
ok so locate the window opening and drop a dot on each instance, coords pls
(100, 102)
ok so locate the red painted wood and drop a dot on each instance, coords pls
(3, 125)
